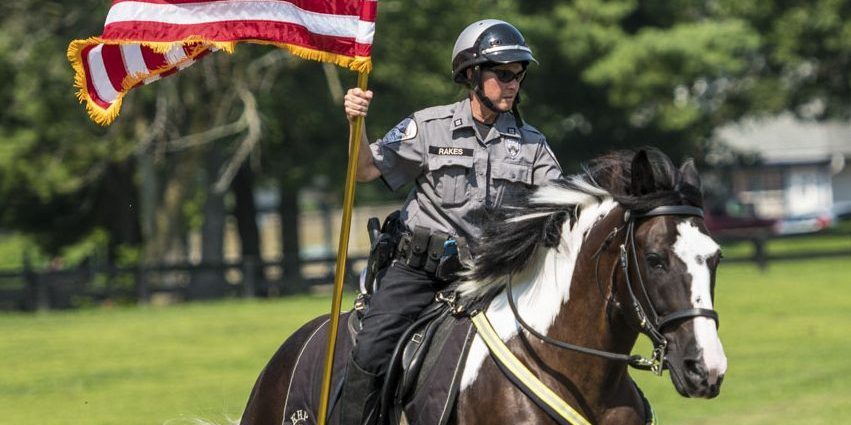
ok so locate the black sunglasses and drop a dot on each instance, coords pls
(506, 76)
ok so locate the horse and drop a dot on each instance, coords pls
(567, 281)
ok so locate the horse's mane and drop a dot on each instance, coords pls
(513, 236)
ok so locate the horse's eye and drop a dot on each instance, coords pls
(655, 261)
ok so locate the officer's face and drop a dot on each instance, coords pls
(501, 92)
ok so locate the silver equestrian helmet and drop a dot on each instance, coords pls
(488, 41)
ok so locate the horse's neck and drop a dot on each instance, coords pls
(584, 320)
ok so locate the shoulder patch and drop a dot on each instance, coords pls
(405, 130)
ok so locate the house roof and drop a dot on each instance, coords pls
(785, 139)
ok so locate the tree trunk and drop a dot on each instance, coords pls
(148, 205)
(119, 208)
(288, 209)
(245, 212)
(209, 281)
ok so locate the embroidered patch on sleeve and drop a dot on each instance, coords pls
(405, 130)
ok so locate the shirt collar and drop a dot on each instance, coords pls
(463, 116)
(505, 124)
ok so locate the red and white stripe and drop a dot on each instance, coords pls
(108, 65)
(119, 58)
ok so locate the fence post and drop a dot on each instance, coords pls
(37, 286)
(759, 253)
(142, 285)
(249, 273)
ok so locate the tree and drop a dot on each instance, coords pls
(58, 174)
(613, 74)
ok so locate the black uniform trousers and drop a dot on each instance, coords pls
(403, 293)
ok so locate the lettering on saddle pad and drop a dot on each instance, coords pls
(299, 417)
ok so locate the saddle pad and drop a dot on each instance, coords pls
(301, 402)
(436, 387)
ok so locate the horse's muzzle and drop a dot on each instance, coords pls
(695, 371)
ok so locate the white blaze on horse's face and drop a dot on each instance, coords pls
(694, 247)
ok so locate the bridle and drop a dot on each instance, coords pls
(651, 324)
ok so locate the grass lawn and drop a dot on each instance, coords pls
(151, 365)
(786, 333)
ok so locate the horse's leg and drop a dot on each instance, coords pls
(625, 405)
(266, 402)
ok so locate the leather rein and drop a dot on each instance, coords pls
(651, 324)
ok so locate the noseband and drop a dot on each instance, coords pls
(651, 324)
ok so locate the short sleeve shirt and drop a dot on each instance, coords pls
(457, 175)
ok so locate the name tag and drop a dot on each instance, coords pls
(449, 151)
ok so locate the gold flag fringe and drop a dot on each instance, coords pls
(105, 117)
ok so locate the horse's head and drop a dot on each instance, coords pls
(667, 270)
(642, 217)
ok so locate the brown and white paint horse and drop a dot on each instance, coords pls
(587, 261)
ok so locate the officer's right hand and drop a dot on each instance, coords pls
(356, 103)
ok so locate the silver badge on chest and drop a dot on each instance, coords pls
(512, 146)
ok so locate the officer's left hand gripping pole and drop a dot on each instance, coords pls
(342, 254)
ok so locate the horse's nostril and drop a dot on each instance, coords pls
(694, 367)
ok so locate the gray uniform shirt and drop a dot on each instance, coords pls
(457, 175)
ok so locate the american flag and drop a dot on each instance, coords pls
(145, 40)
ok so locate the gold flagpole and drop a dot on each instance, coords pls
(342, 254)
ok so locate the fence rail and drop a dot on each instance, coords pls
(59, 289)
(42, 290)
(762, 257)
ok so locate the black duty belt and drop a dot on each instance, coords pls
(432, 251)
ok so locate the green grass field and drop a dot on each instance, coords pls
(787, 334)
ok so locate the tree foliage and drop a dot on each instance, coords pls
(612, 74)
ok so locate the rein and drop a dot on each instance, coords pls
(650, 325)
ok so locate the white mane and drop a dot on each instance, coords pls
(543, 286)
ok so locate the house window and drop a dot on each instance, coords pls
(757, 180)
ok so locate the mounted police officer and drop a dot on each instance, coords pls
(464, 159)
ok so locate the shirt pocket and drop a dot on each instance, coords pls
(512, 182)
(450, 176)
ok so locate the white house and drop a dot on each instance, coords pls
(804, 166)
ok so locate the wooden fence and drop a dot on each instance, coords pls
(761, 256)
(42, 290)
(60, 289)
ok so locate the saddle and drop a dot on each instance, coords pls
(424, 373)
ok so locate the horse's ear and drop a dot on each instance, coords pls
(641, 179)
(689, 175)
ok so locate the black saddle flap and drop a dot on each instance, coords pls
(414, 354)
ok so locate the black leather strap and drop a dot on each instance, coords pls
(687, 314)
(670, 210)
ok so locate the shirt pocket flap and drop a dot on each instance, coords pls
(438, 162)
(518, 173)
